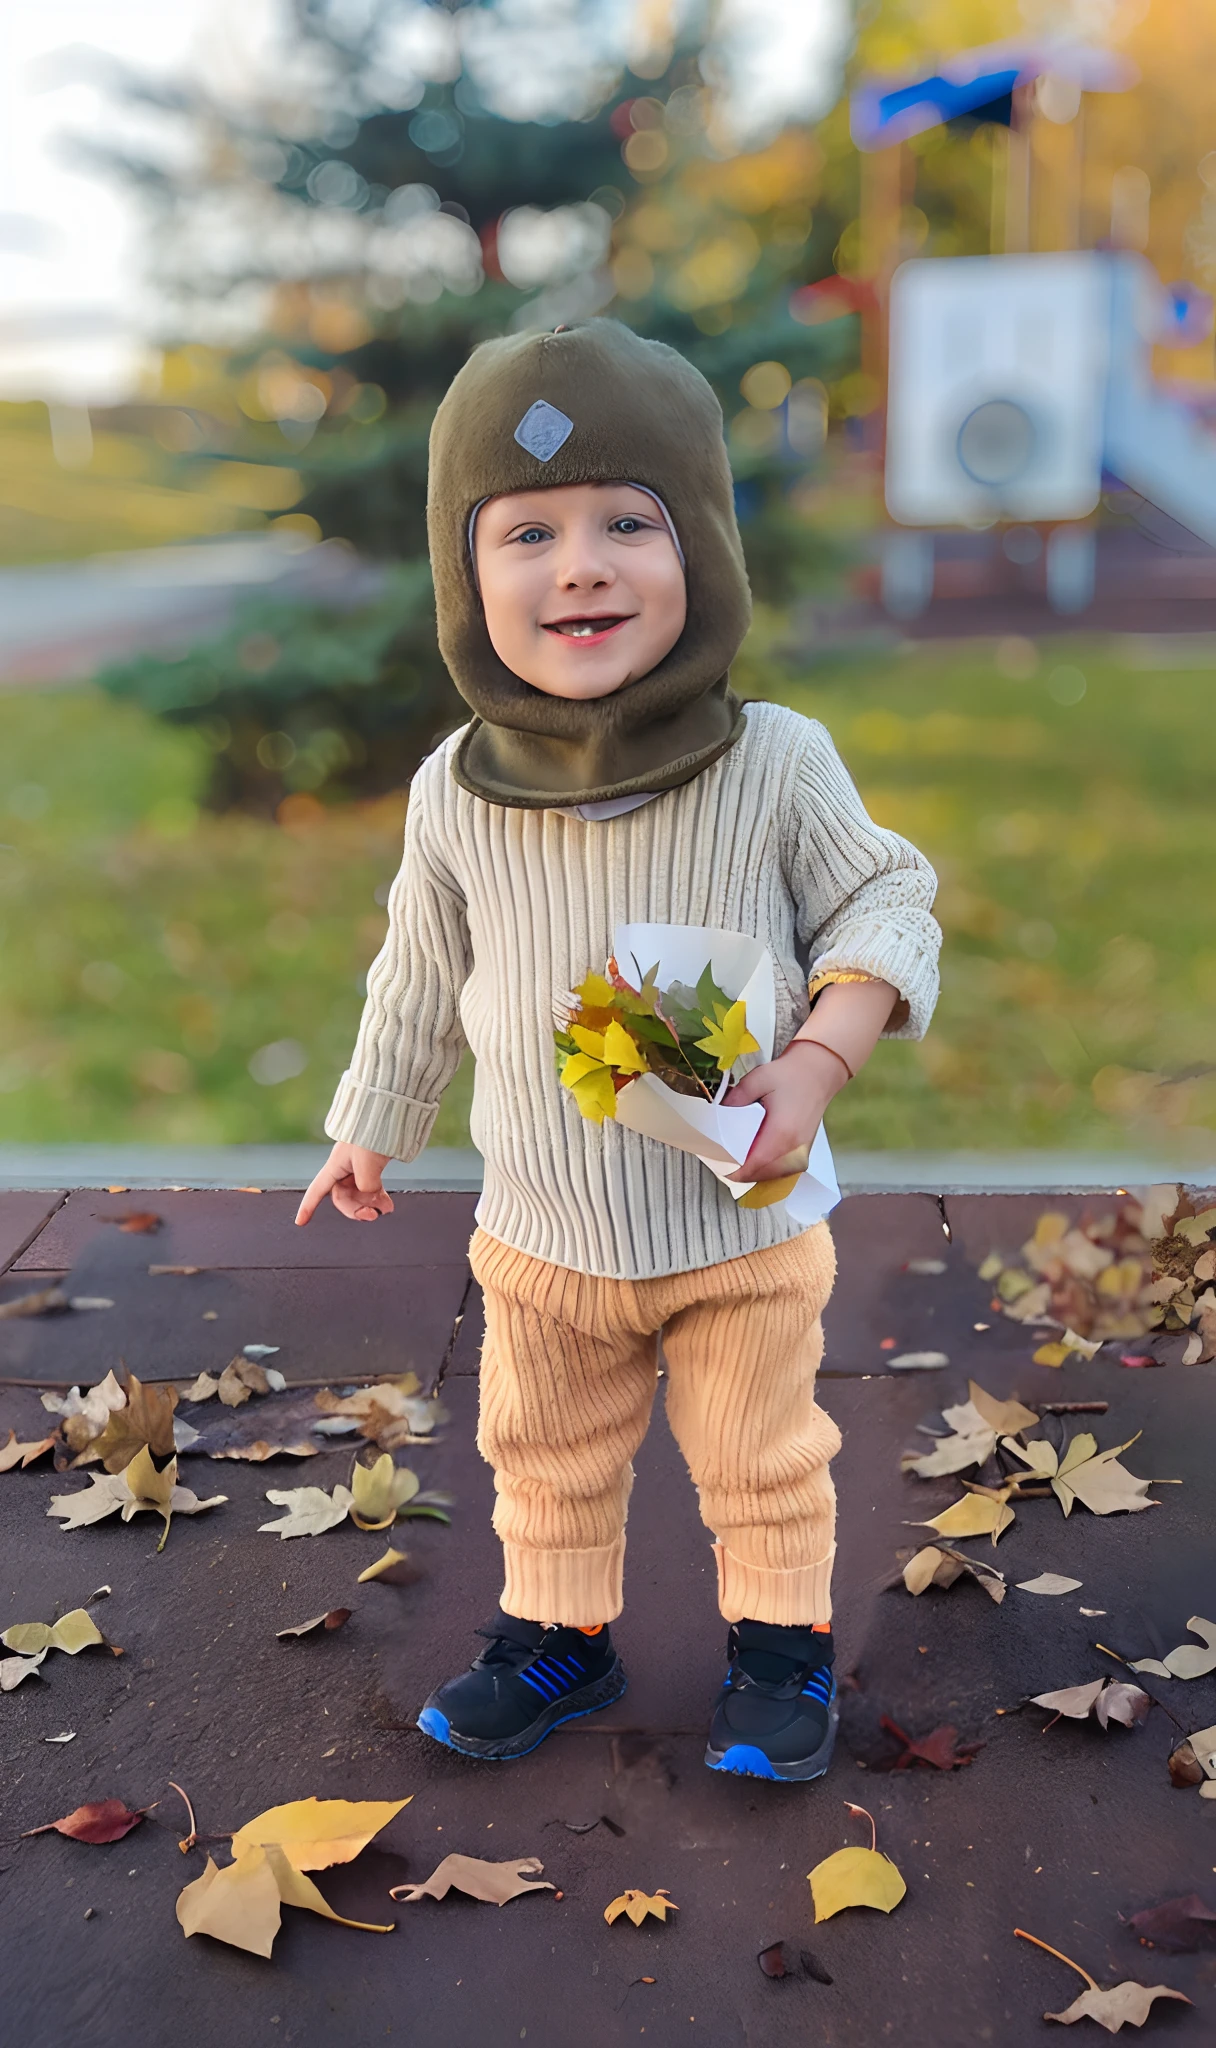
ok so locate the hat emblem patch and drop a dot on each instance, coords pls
(543, 430)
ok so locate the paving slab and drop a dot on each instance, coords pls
(1058, 1832)
(22, 1216)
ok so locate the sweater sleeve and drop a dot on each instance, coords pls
(864, 895)
(410, 1039)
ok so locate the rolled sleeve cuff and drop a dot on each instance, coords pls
(902, 958)
(378, 1120)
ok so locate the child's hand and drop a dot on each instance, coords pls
(795, 1091)
(351, 1177)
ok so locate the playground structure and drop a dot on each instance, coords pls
(1019, 385)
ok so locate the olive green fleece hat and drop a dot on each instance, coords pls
(588, 404)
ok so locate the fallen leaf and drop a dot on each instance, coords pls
(1109, 1699)
(1179, 1926)
(1122, 2005)
(139, 1486)
(940, 1748)
(925, 1267)
(495, 1883)
(240, 1903)
(918, 1361)
(104, 1820)
(75, 1631)
(393, 1569)
(972, 1443)
(259, 1451)
(1185, 1662)
(1087, 1474)
(156, 1271)
(380, 1491)
(14, 1453)
(1092, 1612)
(136, 1222)
(68, 1736)
(977, 1514)
(1049, 1582)
(1196, 1229)
(772, 1960)
(1005, 1417)
(239, 1379)
(939, 1565)
(257, 1351)
(334, 1619)
(14, 1669)
(204, 1388)
(856, 1877)
(636, 1905)
(314, 1833)
(85, 1416)
(310, 1510)
(48, 1301)
(145, 1420)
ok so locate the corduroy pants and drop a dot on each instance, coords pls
(569, 1370)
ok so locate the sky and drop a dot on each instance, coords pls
(76, 316)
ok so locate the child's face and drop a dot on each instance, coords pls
(581, 586)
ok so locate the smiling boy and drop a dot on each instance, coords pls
(591, 594)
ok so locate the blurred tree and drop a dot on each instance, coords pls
(388, 202)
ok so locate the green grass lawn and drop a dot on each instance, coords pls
(150, 951)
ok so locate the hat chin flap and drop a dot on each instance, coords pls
(591, 404)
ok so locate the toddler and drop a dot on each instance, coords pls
(591, 595)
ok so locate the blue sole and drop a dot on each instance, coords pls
(433, 1722)
(748, 1760)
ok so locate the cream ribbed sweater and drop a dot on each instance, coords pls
(496, 911)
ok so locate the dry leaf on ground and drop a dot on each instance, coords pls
(334, 1619)
(380, 1492)
(1122, 2005)
(310, 1510)
(856, 1877)
(313, 1833)
(391, 1413)
(240, 1378)
(1179, 1925)
(976, 1514)
(259, 1451)
(136, 1222)
(1084, 1473)
(240, 1903)
(139, 1486)
(205, 1388)
(74, 1631)
(495, 1883)
(47, 1301)
(1108, 1699)
(393, 1569)
(14, 1669)
(1193, 1761)
(1187, 1661)
(84, 1416)
(1049, 1582)
(917, 1361)
(636, 1906)
(940, 1748)
(938, 1565)
(14, 1453)
(103, 1820)
(975, 1425)
(146, 1418)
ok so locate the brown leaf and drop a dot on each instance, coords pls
(240, 1378)
(147, 1419)
(495, 1883)
(1180, 1925)
(1184, 1766)
(1124, 2005)
(938, 1565)
(772, 1960)
(940, 1748)
(104, 1820)
(204, 1388)
(14, 1453)
(334, 1619)
(1108, 1699)
(48, 1301)
(257, 1452)
(636, 1905)
(136, 1222)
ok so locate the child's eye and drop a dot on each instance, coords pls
(629, 523)
(533, 533)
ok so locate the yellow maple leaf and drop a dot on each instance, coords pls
(315, 1833)
(621, 1051)
(589, 1042)
(727, 1038)
(595, 993)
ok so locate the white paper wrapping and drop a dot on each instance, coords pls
(722, 1138)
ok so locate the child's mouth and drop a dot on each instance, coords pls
(586, 630)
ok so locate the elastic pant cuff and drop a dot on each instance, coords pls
(789, 1599)
(576, 1588)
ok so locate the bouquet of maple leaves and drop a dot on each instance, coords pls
(691, 1039)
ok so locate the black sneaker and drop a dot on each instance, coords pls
(776, 1716)
(524, 1685)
